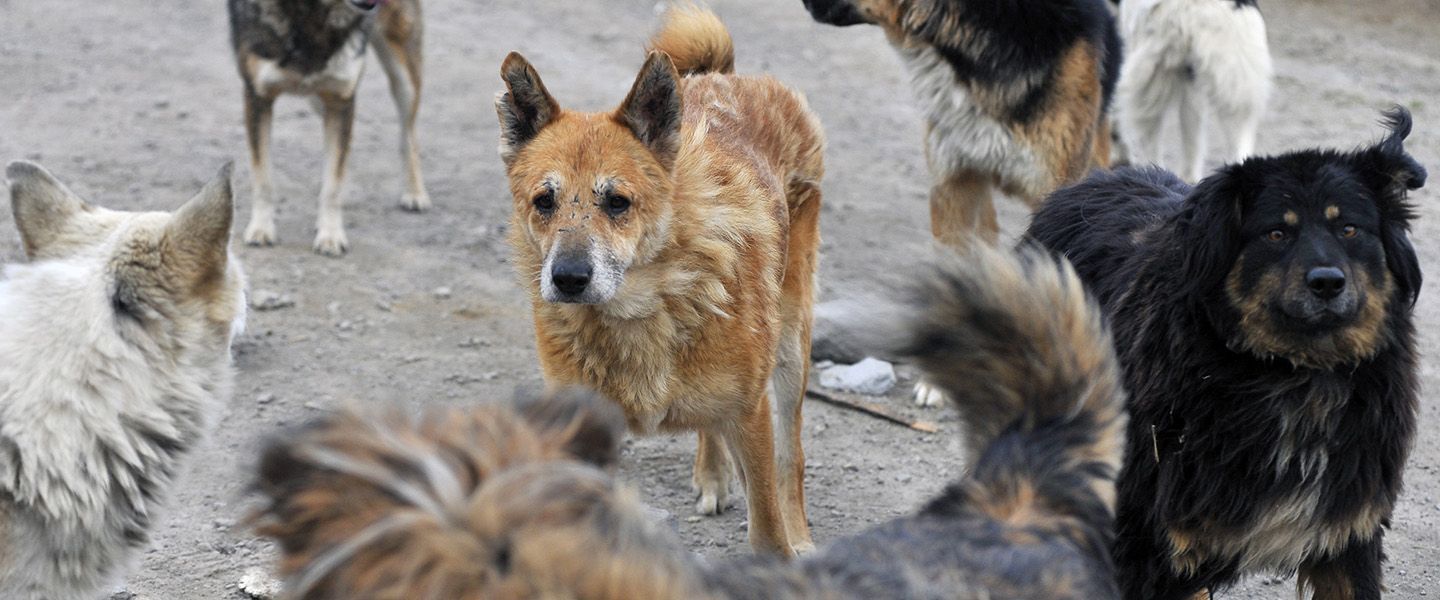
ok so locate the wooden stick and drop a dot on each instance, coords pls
(872, 410)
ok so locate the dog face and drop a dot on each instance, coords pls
(592, 191)
(1315, 248)
(168, 276)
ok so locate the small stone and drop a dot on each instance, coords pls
(265, 398)
(872, 377)
(692, 519)
(442, 292)
(258, 584)
(264, 300)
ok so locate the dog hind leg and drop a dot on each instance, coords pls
(258, 112)
(792, 358)
(400, 54)
(962, 208)
(1192, 133)
(339, 117)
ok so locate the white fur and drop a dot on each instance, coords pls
(1196, 58)
(85, 395)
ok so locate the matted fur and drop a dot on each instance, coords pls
(317, 48)
(689, 218)
(1015, 95)
(1271, 416)
(114, 358)
(499, 502)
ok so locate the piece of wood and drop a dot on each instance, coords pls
(872, 410)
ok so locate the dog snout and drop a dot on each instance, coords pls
(834, 12)
(1325, 282)
(571, 275)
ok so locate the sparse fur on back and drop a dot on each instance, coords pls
(114, 358)
(1264, 322)
(696, 41)
(515, 502)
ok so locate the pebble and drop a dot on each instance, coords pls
(263, 300)
(265, 398)
(258, 584)
(442, 292)
(872, 377)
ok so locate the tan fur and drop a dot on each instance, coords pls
(1260, 335)
(1332, 212)
(696, 40)
(719, 252)
(1324, 584)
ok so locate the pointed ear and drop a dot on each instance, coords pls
(41, 204)
(1209, 231)
(652, 110)
(525, 107)
(197, 239)
(1392, 160)
(1390, 172)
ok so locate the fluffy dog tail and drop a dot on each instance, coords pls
(1014, 340)
(506, 500)
(696, 41)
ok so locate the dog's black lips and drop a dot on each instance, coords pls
(366, 5)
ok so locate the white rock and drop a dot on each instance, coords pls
(256, 583)
(263, 300)
(872, 377)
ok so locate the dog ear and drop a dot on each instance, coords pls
(1208, 231)
(652, 110)
(1390, 173)
(42, 206)
(524, 108)
(197, 239)
(588, 426)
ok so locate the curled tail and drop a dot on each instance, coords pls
(1018, 346)
(696, 41)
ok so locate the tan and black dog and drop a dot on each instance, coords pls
(669, 250)
(317, 48)
(1015, 95)
(514, 501)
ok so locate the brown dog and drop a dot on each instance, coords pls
(317, 48)
(507, 502)
(669, 250)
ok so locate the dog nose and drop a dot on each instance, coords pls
(1325, 282)
(571, 276)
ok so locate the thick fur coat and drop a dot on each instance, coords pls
(1264, 322)
(114, 359)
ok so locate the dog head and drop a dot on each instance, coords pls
(499, 501)
(1308, 251)
(592, 191)
(169, 277)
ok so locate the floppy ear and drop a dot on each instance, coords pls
(41, 204)
(197, 239)
(652, 110)
(524, 108)
(1391, 173)
(1208, 231)
(589, 427)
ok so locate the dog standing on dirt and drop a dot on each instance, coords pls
(669, 250)
(317, 48)
(114, 358)
(1015, 95)
(1192, 57)
(510, 501)
(1264, 321)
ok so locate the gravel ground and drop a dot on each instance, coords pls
(135, 104)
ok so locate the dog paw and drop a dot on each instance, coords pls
(415, 202)
(802, 548)
(260, 233)
(331, 243)
(710, 498)
(928, 395)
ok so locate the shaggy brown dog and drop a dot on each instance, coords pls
(515, 502)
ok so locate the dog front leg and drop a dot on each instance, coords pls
(962, 209)
(712, 474)
(1354, 574)
(258, 111)
(339, 116)
(752, 445)
(399, 51)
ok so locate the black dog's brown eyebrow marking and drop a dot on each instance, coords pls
(1332, 212)
(1291, 218)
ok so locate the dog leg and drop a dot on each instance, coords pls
(712, 474)
(399, 51)
(1192, 133)
(961, 208)
(1352, 575)
(258, 111)
(339, 116)
(792, 359)
(1143, 95)
(752, 443)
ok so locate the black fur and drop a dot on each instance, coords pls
(312, 30)
(1205, 452)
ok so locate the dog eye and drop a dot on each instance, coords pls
(1349, 231)
(545, 202)
(615, 204)
(1276, 235)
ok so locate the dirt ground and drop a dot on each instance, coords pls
(136, 104)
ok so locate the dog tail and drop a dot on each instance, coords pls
(696, 41)
(1020, 348)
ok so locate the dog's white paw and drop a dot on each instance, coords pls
(802, 548)
(331, 243)
(711, 498)
(928, 395)
(415, 202)
(260, 232)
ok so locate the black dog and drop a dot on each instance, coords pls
(1263, 320)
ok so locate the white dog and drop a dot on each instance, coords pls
(114, 358)
(1196, 57)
